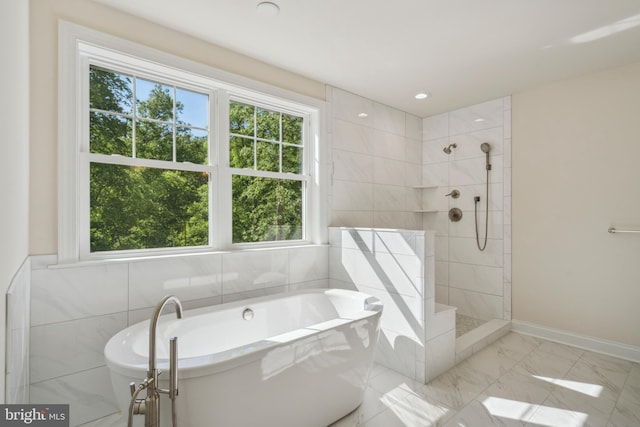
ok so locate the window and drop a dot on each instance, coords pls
(140, 131)
(159, 154)
(266, 152)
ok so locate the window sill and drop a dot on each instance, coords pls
(164, 256)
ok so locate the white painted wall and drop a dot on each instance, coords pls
(576, 171)
(14, 161)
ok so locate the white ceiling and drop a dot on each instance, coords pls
(461, 51)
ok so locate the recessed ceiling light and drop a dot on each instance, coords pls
(267, 8)
(363, 115)
(479, 120)
(422, 95)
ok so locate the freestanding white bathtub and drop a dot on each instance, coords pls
(303, 360)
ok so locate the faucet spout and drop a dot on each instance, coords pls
(153, 326)
(152, 402)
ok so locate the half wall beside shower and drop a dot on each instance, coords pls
(390, 169)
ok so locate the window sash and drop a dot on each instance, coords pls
(86, 157)
(304, 176)
(137, 119)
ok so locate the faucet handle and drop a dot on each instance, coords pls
(455, 194)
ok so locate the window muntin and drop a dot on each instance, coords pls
(133, 203)
(265, 139)
(147, 119)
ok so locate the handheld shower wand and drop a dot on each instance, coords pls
(486, 148)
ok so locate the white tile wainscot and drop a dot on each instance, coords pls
(76, 309)
(18, 301)
(398, 266)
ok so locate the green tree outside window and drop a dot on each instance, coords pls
(135, 207)
(266, 209)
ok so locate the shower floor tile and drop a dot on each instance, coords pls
(465, 324)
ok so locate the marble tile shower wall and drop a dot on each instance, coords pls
(478, 283)
(76, 310)
(17, 350)
(375, 161)
(397, 266)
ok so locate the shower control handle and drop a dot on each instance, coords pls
(455, 194)
(455, 214)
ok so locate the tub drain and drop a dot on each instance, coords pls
(247, 314)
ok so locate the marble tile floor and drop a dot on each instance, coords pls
(465, 324)
(516, 381)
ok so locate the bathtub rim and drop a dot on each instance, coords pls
(191, 367)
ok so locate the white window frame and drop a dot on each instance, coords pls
(78, 48)
(114, 62)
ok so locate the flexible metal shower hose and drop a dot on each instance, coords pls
(486, 224)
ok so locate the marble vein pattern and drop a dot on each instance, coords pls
(189, 278)
(465, 324)
(94, 401)
(18, 315)
(516, 381)
(96, 290)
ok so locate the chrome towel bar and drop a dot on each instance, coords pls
(614, 230)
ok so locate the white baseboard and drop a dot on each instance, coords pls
(597, 345)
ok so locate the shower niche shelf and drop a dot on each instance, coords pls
(425, 187)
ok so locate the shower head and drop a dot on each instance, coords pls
(448, 149)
